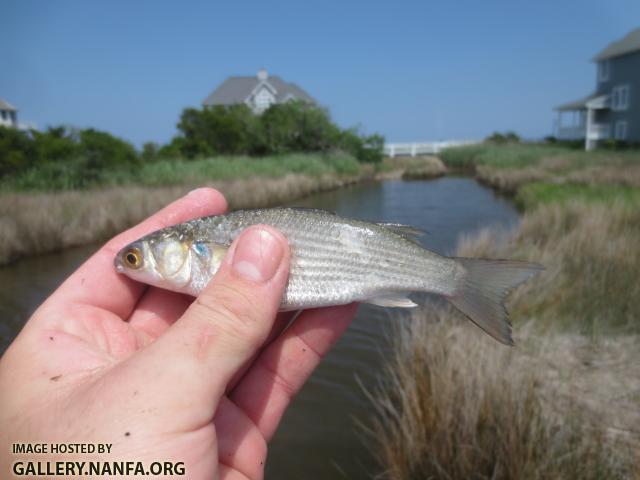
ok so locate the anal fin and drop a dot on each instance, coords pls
(399, 300)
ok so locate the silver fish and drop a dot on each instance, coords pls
(334, 261)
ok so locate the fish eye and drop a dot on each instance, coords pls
(133, 258)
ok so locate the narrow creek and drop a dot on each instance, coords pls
(318, 437)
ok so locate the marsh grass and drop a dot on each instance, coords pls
(521, 155)
(508, 168)
(592, 258)
(456, 405)
(563, 403)
(68, 176)
(534, 194)
(501, 156)
(543, 175)
(33, 223)
(226, 168)
(411, 168)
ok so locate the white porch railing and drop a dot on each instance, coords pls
(571, 133)
(422, 148)
(599, 131)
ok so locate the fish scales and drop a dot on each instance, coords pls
(334, 260)
(338, 260)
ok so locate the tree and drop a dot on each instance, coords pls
(100, 150)
(150, 152)
(218, 130)
(17, 151)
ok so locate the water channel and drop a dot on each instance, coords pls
(318, 437)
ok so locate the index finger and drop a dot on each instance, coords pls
(281, 370)
(97, 283)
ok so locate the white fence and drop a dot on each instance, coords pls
(423, 148)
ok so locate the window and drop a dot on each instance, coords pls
(4, 114)
(603, 71)
(621, 130)
(620, 97)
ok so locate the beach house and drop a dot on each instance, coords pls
(8, 114)
(613, 110)
(258, 92)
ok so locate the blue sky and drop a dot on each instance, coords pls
(411, 70)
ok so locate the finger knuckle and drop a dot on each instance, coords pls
(232, 310)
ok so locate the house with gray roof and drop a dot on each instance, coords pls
(613, 110)
(8, 114)
(258, 92)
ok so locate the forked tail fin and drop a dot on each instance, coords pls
(481, 292)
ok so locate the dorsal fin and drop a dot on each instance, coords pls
(405, 231)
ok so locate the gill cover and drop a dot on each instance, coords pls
(171, 257)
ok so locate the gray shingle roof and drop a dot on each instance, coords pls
(577, 104)
(236, 90)
(628, 44)
(4, 105)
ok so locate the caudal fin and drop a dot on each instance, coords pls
(481, 292)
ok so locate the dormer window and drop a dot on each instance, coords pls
(263, 100)
(603, 71)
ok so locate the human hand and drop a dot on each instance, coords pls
(158, 375)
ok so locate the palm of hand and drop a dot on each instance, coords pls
(91, 366)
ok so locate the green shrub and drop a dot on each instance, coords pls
(367, 149)
(283, 128)
(55, 144)
(68, 158)
(502, 138)
(17, 151)
(172, 149)
(297, 127)
(149, 152)
(102, 150)
(222, 129)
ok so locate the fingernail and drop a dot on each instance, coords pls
(257, 255)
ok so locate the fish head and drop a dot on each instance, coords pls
(171, 260)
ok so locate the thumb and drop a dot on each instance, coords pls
(225, 325)
(233, 315)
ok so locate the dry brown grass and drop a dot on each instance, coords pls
(33, 223)
(591, 254)
(411, 168)
(559, 170)
(508, 180)
(456, 405)
(607, 175)
(565, 402)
